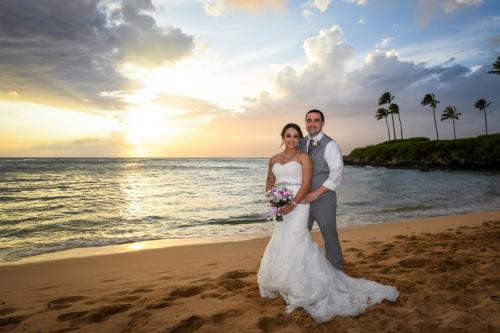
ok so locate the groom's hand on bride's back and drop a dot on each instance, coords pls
(310, 197)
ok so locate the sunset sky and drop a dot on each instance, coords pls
(172, 78)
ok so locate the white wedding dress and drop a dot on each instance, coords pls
(295, 267)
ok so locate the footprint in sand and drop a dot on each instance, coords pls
(187, 291)
(9, 321)
(202, 280)
(253, 294)
(414, 262)
(98, 315)
(232, 284)
(64, 302)
(220, 317)
(188, 325)
(235, 275)
(141, 291)
(448, 265)
(228, 282)
(6, 311)
(226, 295)
(137, 320)
(195, 322)
(160, 305)
(211, 295)
(166, 277)
(126, 299)
(271, 324)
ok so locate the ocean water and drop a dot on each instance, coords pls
(49, 205)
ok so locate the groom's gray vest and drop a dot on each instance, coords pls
(321, 171)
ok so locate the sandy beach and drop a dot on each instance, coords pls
(447, 270)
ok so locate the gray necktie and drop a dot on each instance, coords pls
(310, 147)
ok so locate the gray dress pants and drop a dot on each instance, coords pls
(324, 212)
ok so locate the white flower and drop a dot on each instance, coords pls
(316, 143)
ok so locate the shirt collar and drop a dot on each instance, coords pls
(318, 137)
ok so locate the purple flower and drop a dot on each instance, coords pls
(279, 197)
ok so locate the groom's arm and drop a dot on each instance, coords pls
(333, 157)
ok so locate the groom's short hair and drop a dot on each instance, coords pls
(317, 111)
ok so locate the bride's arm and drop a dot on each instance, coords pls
(306, 178)
(270, 180)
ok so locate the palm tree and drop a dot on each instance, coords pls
(387, 98)
(451, 113)
(383, 113)
(394, 109)
(496, 67)
(430, 99)
(482, 104)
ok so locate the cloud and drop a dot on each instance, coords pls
(362, 20)
(452, 5)
(71, 52)
(114, 145)
(427, 8)
(358, 2)
(384, 43)
(309, 7)
(214, 8)
(328, 48)
(189, 106)
(218, 7)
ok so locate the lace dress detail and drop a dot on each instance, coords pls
(295, 267)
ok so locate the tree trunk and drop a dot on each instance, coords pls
(393, 128)
(454, 133)
(485, 121)
(388, 132)
(400, 127)
(435, 124)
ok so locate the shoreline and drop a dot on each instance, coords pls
(418, 167)
(446, 269)
(113, 249)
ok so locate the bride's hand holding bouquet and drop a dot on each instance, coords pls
(280, 199)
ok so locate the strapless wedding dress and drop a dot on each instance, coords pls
(295, 267)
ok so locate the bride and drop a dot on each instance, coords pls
(293, 265)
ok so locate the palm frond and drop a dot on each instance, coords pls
(430, 99)
(496, 67)
(394, 108)
(381, 113)
(450, 112)
(386, 98)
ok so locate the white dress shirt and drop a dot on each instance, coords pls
(333, 157)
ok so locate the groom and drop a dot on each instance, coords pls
(328, 168)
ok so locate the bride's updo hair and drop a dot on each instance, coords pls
(291, 125)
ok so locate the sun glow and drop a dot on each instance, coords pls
(150, 124)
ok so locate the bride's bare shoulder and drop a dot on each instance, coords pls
(304, 157)
(274, 159)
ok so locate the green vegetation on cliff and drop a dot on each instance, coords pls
(481, 153)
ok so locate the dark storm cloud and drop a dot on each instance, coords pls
(68, 52)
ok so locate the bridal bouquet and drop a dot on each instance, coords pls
(279, 197)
